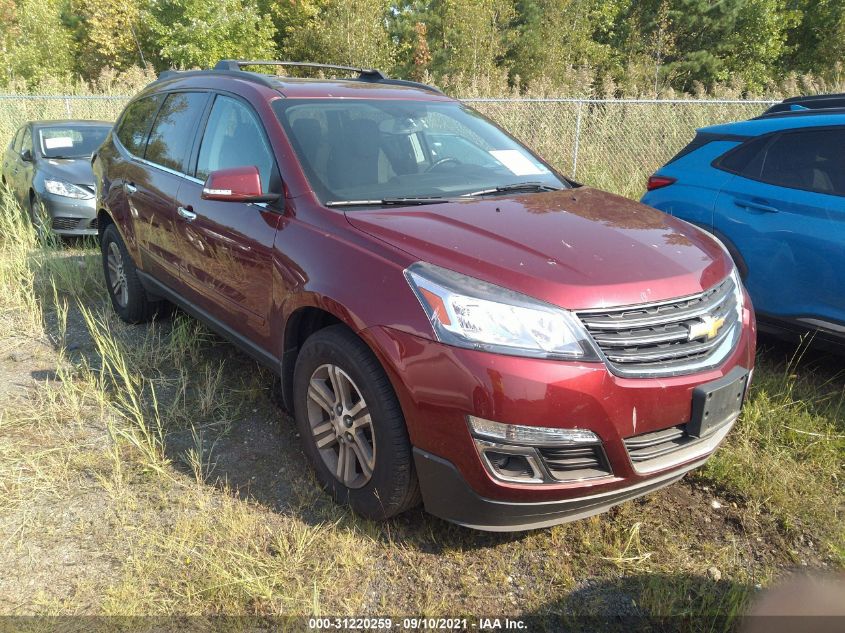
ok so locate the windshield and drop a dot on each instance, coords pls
(373, 150)
(71, 141)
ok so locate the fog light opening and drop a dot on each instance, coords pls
(510, 463)
(515, 466)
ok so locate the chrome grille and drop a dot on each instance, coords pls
(655, 338)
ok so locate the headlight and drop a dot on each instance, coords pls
(66, 189)
(468, 312)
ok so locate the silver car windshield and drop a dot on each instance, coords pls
(362, 152)
(71, 141)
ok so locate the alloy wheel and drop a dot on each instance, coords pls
(341, 426)
(117, 275)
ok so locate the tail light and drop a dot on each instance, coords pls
(658, 182)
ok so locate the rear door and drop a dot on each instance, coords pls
(153, 178)
(785, 212)
(228, 246)
(12, 156)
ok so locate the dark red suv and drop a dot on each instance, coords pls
(452, 320)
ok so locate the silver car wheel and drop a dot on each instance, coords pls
(117, 275)
(341, 426)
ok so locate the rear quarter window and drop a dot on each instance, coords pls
(742, 159)
(705, 138)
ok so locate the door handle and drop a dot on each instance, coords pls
(186, 213)
(129, 187)
(754, 205)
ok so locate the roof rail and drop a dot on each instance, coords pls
(364, 74)
(370, 74)
(808, 102)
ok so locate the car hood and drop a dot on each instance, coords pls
(73, 170)
(577, 248)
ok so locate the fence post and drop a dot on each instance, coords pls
(67, 107)
(577, 138)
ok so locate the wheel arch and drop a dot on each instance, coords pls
(103, 220)
(300, 324)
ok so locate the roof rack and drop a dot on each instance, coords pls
(808, 102)
(364, 74)
(370, 74)
(265, 80)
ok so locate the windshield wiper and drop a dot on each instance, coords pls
(386, 202)
(517, 186)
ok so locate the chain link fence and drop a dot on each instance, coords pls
(612, 144)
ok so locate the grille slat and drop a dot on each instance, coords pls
(648, 446)
(65, 224)
(655, 338)
(661, 313)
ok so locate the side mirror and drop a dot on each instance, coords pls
(26, 156)
(237, 184)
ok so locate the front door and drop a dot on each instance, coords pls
(228, 246)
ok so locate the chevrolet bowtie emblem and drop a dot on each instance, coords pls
(707, 329)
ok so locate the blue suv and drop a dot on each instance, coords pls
(772, 189)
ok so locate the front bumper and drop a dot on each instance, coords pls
(447, 495)
(70, 216)
(439, 385)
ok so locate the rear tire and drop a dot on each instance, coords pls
(128, 297)
(352, 427)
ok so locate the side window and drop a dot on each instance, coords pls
(234, 137)
(173, 130)
(811, 160)
(136, 122)
(16, 141)
(26, 142)
(745, 159)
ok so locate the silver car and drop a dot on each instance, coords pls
(48, 168)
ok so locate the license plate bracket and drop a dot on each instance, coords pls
(716, 403)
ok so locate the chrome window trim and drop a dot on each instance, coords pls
(168, 170)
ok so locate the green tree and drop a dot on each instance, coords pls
(710, 41)
(348, 32)
(817, 42)
(197, 33)
(551, 37)
(34, 42)
(474, 36)
(109, 34)
(403, 23)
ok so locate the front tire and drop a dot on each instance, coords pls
(352, 426)
(128, 297)
(39, 217)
